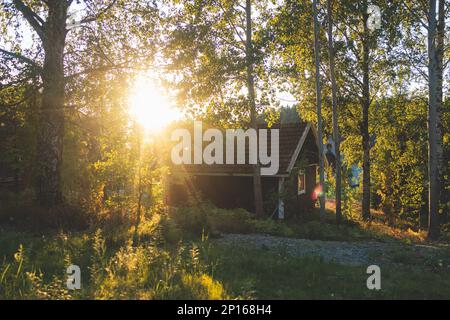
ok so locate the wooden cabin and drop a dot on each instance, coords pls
(288, 193)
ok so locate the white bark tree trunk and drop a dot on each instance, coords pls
(319, 110)
(257, 188)
(433, 172)
(334, 101)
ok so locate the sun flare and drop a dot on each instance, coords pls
(150, 106)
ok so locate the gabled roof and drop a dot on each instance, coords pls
(291, 140)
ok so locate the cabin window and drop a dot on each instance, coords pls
(301, 187)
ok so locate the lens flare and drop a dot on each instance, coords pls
(318, 192)
(150, 106)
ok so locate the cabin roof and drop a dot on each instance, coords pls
(292, 137)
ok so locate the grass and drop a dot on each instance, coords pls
(33, 267)
(258, 274)
(198, 270)
(175, 260)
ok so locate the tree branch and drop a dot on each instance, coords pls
(414, 14)
(33, 19)
(98, 69)
(22, 58)
(99, 14)
(24, 99)
(230, 23)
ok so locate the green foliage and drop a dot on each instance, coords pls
(399, 159)
(20, 281)
(149, 271)
(207, 68)
(207, 218)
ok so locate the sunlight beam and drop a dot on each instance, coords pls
(150, 106)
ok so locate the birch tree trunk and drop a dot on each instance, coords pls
(257, 188)
(319, 109)
(433, 172)
(52, 33)
(365, 116)
(440, 52)
(334, 101)
(51, 120)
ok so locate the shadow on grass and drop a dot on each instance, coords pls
(258, 274)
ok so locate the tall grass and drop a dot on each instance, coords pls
(150, 270)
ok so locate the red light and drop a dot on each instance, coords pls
(318, 192)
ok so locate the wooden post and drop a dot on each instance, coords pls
(280, 199)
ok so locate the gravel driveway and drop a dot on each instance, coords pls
(348, 253)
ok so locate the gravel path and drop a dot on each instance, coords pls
(348, 253)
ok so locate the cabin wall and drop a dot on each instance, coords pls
(228, 192)
(232, 192)
(298, 205)
(305, 202)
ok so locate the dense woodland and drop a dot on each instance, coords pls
(77, 166)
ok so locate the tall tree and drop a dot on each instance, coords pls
(319, 108)
(52, 33)
(257, 188)
(440, 52)
(334, 102)
(433, 149)
(366, 64)
(426, 24)
(366, 99)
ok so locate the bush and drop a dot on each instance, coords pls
(211, 220)
(191, 220)
(230, 221)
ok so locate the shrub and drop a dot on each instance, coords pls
(230, 221)
(168, 230)
(209, 219)
(191, 220)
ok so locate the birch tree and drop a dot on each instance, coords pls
(257, 188)
(426, 24)
(319, 109)
(433, 122)
(334, 102)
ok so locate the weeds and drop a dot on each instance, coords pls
(152, 270)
